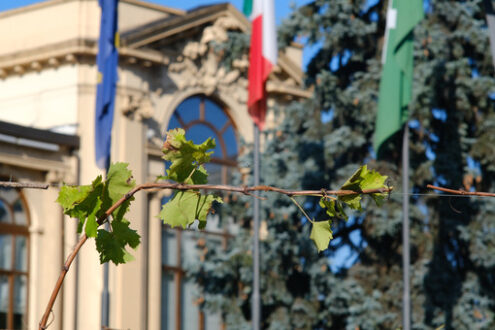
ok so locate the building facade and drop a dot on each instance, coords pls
(170, 75)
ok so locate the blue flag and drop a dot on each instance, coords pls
(107, 61)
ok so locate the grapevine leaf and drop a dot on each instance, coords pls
(187, 206)
(353, 201)
(124, 234)
(91, 220)
(333, 208)
(379, 198)
(341, 212)
(109, 248)
(361, 180)
(200, 176)
(321, 234)
(119, 182)
(185, 157)
(83, 203)
(112, 245)
(70, 196)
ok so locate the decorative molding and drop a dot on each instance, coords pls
(195, 64)
(70, 58)
(33, 163)
(138, 107)
(54, 176)
(73, 51)
(54, 62)
(35, 65)
(18, 69)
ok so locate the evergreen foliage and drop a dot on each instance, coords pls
(323, 140)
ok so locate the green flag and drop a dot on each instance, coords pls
(247, 8)
(397, 74)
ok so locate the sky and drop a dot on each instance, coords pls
(282, 10)
(282, 7)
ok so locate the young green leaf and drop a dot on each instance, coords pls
(70, 196)
(186, 157)
(333, 208)
(118, 183)
(88, 203)
(363, 179)
(83, 203)
(321, 234)
(112, 244)
(91, 219)
(187, 206)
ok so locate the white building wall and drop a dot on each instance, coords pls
(45, 99)
(59, 21)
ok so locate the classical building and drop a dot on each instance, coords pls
(170, 74)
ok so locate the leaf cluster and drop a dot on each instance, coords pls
(89, 203)
(362, 179)
(186, 166)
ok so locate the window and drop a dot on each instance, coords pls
(201, 118)
(14, 240)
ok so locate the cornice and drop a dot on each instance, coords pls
(165, 9)
(161, 29)
(294, 91)
(28, 8)
(49, 3)
(65, 52)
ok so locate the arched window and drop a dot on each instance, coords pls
(201, 118)
(14, 240)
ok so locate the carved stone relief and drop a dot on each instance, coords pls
(196, 64)
(139, 107)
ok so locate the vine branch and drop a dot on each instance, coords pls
(461, 192)
(32, 185)
(180, 186)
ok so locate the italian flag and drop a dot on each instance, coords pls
(262, 55)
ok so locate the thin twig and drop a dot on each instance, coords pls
(461, 192)
(32, 185)
(244, 190)
(181, 186)
(301, 208)
(60, 280)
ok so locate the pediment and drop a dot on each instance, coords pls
(206, 22)
(169, 30)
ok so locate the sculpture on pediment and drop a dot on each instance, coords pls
(139, 107)
(198, 65)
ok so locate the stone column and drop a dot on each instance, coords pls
(154, 262)
(128, 281)
(45, 253)
(90, 274)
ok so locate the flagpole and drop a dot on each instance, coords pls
(490, 19)
(107, 63)
(105, 294)
(255, 312)
(406, 299)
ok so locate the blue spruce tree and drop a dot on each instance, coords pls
(322, 141)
